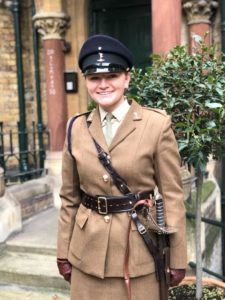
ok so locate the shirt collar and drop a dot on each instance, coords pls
(119, 113)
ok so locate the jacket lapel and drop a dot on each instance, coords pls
(95, 128)
(128, 125)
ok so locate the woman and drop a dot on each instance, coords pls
(93, 230)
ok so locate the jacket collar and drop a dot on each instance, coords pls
(126, 128)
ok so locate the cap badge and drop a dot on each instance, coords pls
(101, 57)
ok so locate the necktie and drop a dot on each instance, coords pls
(108, 128)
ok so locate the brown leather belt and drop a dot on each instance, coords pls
(113, 204)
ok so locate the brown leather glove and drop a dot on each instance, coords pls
(176, 276)
(65, 268)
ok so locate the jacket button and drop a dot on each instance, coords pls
(105, 178)
(107, 219)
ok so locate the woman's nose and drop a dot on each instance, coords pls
(103, 83)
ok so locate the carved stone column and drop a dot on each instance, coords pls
(199, 13)
(52, 26)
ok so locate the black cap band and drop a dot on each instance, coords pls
(106, 69)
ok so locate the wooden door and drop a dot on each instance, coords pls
(129, 21)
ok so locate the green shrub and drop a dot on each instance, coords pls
(191, 88)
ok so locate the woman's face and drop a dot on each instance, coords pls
(107, 89)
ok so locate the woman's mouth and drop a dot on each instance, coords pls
(105, 93)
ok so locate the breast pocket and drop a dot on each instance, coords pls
(78, 240)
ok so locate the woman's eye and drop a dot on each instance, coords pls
(113, 76)
(93, 78)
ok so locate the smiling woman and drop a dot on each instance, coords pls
(114, 157)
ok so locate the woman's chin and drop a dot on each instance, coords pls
(106, 102)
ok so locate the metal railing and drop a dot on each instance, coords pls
(23, 165)
(216, 223)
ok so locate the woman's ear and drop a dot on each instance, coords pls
(127, 80)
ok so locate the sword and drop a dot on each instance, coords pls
(163, 246)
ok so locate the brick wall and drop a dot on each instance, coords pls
(9, 110)
(8, 79)
(9, 101)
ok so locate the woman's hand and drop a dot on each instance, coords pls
(65, 268)
(176, 276)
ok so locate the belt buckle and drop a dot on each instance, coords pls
(99, 203)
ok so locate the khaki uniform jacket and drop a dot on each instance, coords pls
(144, 152)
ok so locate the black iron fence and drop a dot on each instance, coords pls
(26, 162)
(218, 224)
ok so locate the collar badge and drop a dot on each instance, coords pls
(136, 116)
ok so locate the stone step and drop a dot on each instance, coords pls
(30, 269)
(15, 292)
(29, 248)
(38, 234)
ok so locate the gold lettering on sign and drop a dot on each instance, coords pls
(51, 71)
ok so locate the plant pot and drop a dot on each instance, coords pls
(212, 289)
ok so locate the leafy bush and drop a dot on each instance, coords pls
(191, 88)
(187, 292)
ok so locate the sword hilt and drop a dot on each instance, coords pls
(159, 211)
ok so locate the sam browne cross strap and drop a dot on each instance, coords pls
(107, 204)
